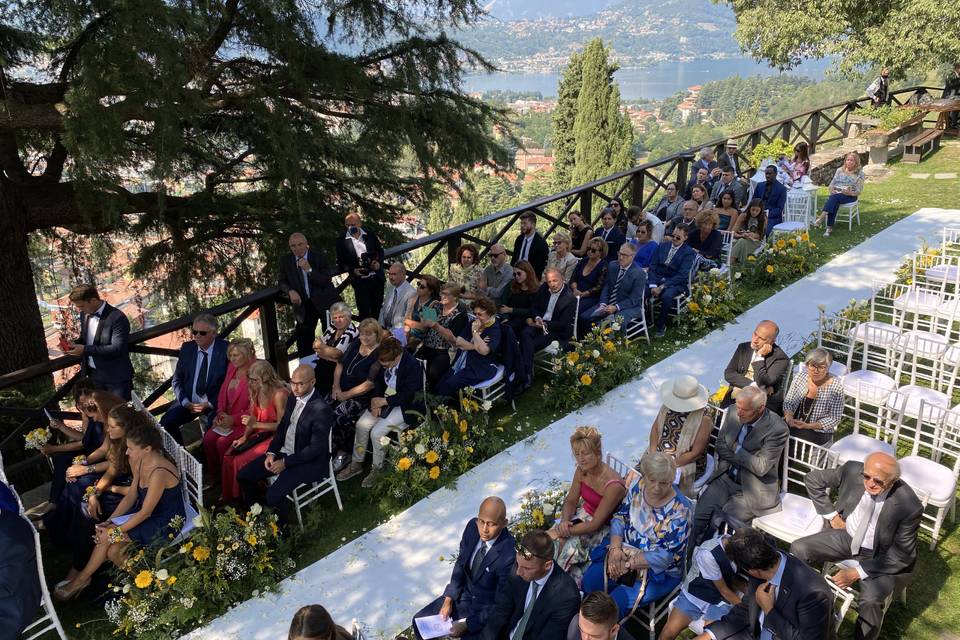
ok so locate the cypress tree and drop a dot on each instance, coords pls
(564, 143)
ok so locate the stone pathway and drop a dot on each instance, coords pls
(945, 176)
(919, 176)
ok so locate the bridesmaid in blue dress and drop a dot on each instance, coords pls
(156, 500)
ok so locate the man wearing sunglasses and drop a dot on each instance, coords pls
(498, 274)
(539, 600)
(201, 368)
(872, 527)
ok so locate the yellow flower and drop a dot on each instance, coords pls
(431, 457)
(469, 449)
(805, 237)
(769, 268)
(201, 553)
(143, 580)
(463, 426)
(537, 517)
(586, 380)
(781, 244)
(607, 331)
(434, 473)
(445, 437)
(274, 529)
(572, 357)
(813, 245)
(609, 346)
(252, 540)
(404, 463)
(751, 258)
(693, 307)
(792, 242)
(172, 580)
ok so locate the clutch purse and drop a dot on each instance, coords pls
(252, 441)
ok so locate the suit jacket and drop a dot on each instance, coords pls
(19, 579)
(538, 253)
(895, 541)
(725, 160)
(677, 273)
(776, 199)
(560, 325)
(632, 289)
(311, 445)
(710, 248)
(768, 372)
(614, 240)
(803, 609)
(739, 192)
(556, 604)
(475, 596)
(758, 459)
(708, 185)
(182, 381)
(322, 292)
(110, 349)
(392, 317)
(347, 258)
(409, 383)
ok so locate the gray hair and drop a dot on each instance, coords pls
(629, 246)
(342, 308)
(755, 396)
(658, 466)
(704, 150)
(208, 319)
(819, 357)
(552, 270)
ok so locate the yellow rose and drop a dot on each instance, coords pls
(274, 529)
(434, 473)
(172, 580)
(805, 237)
(609, 346)
(445, 437)
(751, 258)
(252, 540)
(463, 426)
(572, 357)
(693, 307)
(404, 463)
(586, 380)
(607, 331)
(143, 580)
(781, 244)
(201, 553)
(769, 268)
(431, 457)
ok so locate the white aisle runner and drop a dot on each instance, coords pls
(386, 575)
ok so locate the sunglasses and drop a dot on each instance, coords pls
(497, 255)
(526, 554)
(198, 332)
(875, 480)
(518, 274)
(593, 250)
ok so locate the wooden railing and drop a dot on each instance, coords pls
(640, 185)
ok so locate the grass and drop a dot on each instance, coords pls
(931, 611)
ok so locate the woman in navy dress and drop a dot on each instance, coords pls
(477, 346)
(156, 500)
(588, 278)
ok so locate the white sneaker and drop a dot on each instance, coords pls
(826, 234)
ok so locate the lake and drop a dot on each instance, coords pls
(654, 82)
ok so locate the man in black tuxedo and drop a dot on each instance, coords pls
(553, 309)
(305, 278)
(538, 600)
(530, 245)
(103, 342)
(360, 254)
(201, 368)
(874, 523)
(785, 598)
(19, 579)
(759, 362)
(746, 482)
(300, 450)
(484, 564)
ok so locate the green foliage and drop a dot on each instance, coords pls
(770, 150)
(564, 117)
(714, 301)
(889, 116)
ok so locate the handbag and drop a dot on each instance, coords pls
(252, 441)
(628, 579)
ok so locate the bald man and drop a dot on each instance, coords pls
(305, 278)
(360, 255)
(761, 363)
(484, 564)
(874, 524)
(299, 452)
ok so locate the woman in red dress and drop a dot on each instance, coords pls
(233, 403)
(268, 399)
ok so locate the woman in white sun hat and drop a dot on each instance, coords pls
(682, 430)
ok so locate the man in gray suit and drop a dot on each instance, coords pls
(728, 182)
(394, 309)
(746, 482)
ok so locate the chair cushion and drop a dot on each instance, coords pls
(949, 309)
(918, 301)
(857, 446)
(797, 518)
(872, 387)
(908, 398)
(497, 377)
(788, 227)
(923, 343)
(931, 477)
(880, 334)
(943, 272)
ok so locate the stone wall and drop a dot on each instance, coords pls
(824, 164)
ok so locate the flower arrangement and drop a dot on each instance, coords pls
(785, 258)
(917, 263)
(713, 300)
(37, 438)
(539, 508)
(228, 558)
(599, 361)
(719, 394)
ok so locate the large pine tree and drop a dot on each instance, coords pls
(245, 120)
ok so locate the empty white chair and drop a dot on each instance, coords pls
(919, 355)
(867, 406)
(796, 214)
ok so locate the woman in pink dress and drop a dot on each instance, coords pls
(233, 403)
(268, 399)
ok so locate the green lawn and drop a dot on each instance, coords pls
(932, 610)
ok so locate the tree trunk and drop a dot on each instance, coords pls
(22, 339)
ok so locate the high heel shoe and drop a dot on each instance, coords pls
(63, 594)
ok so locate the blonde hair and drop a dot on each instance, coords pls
(245, 345)
(269, 380)
(588, 437)
(856, 156)
(560, 236)
(370, 325)
(658, 467)
(708, 215)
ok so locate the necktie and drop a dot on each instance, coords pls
(478, 559)
(201, 387)
(862, 526)
(616, 286)
(670, 254)
(521, 626)
(306, 279)
(525, 254)
(735, 471)
(388, 316)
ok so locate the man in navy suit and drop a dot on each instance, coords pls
(530, 245)
(671, 273)
(539, 600)
(104, 334)
(300, 450)
(305, 278)
(610, 233)
(201, 368)
(553, 310)
(624, 289)
(484, 564)
(19, 579)
(773, 195)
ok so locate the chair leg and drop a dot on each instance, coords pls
(935, 536)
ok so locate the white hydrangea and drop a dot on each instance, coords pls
(162, 575)
(384, 440)
(707, 297)
(595, 354)
(256, 509)
(420, 449)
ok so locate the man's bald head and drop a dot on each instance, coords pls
(492, 518)
(302, 380)
(880, 471)
(765, 334)
(298, 244)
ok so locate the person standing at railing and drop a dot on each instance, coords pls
(530, 245)
(879, 89)
(845, 188)
(103, 342)
(305, 278)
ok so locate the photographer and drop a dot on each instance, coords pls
(360, 254)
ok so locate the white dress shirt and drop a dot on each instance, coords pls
(93, 323)
(855, 521)
(290, 439)
(525, 247)
(551, 305)
(196, 375)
